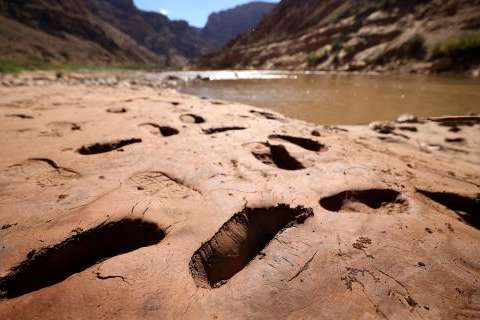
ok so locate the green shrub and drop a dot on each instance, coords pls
(31, 64)
(465, 46)
(414, 46)
(337, 44)
(8, 66)
(314, 59)
(384, 4)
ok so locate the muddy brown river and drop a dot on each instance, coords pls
(341, 98)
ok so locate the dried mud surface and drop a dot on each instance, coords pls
(135, 202)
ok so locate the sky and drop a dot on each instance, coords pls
(194, 11)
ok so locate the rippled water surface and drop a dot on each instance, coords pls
(340, 99)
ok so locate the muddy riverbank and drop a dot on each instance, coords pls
(132, 200)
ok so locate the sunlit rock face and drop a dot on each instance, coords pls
(225, 25)
(347, 35)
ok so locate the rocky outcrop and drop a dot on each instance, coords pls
(226, 25)
(415, 36)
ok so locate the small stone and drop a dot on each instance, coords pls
(382, 127)
(407, 118)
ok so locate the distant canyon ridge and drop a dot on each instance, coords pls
(109, 32)
(419, 36)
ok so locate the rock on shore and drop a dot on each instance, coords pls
(140, 202)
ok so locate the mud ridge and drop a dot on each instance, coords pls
(373, 198)
(191, 118)
(305, 143)
(51, 265)
(97, 148)
(165, 131)
(467, 209)
(222, 129)
(240, 240)
(278, 156)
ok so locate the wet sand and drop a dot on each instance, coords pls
(140, 202)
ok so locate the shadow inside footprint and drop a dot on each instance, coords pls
(51, 265)
(467, 209)
(264, 114)
(276, 155)
(164, 131)
(305, 143)
(104, 147)
(117, 110)
(240, 240)
(222, 129)
(191, 118)
(19, 115)
(373, 198)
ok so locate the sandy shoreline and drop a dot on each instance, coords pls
(370, 228)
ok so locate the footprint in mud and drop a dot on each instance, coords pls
(191, 118)
(19, 115)
(455, 140)
(457, 122)
(155, 129)
(222, 129)
(408, 128)
(117, 110)
(60, 128)
(356, 200)
(45, 172)
(240, 240)
(104, 147)
(305, 143)
(275, 155)
(48, 266)
(151, 182)
(266, 115)
(466, 208)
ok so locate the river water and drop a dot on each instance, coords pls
(340, 98)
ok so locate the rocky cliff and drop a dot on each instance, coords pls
(64, 32)
(418, 36)
(94, 32)
(175, 40)
(112, 32)
(226, 25)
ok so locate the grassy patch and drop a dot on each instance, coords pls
(414, 46)
(7, 66)
(314, 59)
(465, 46)
(12, 66)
